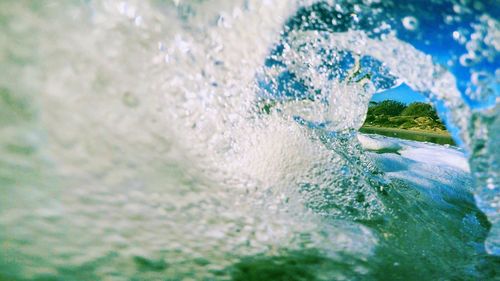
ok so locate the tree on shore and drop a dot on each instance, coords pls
(393, 114)
(420, 109)
(387, 107)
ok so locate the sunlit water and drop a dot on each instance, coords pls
(217, 140)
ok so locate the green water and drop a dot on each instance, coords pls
(418, 242)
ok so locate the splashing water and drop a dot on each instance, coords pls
(217, 140)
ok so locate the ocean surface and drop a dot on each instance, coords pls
(218, 140)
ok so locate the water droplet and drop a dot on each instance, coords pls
(448, 19)
(410, 23)
(130, 100)
(161, 46)
(490, 184)
(138, 20)
(479, 78)
(466, 60)
(457, 9)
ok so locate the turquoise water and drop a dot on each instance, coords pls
(218, 140)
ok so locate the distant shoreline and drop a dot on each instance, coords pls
(442, 137)
(415, 130)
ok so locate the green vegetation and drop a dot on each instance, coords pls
(420, 109)
(386, 108)
(417, 116)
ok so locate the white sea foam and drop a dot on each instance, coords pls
(441, 172)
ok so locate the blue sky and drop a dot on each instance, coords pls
(401, 93)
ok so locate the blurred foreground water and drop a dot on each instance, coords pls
(217, 140)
